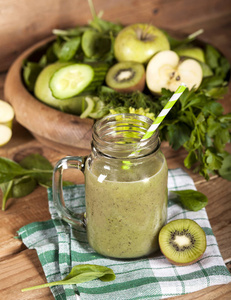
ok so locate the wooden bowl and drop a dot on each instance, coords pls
(61, 131)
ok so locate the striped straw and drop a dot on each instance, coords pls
(164, 112)
(159, 119)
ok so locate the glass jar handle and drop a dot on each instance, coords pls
(69, 162)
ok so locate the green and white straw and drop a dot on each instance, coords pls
(160, 118)
(164, 112)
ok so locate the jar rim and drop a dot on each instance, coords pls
(118, 135)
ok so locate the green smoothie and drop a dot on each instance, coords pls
(126, 208)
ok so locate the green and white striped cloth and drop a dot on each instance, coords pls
(60, 247)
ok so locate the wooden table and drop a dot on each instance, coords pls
(20, 267)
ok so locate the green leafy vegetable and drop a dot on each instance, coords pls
(122, 101)
(196, 122)
(31, 71)
(9, 170)
(79, 274)
(36, 161)
(66, 50)
(89, 43)
(20, 179)
(191, 200)
(179, 43)
(225, 169)
(17, 188)
(95, 44)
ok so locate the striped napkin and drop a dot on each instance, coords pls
(60, 247)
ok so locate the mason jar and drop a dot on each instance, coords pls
(125, 187)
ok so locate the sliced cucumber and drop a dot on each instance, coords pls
(89, 109)
(43, 93)
(73, 79)
(98, 111)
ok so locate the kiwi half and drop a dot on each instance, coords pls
(126, 77)
(182, 241)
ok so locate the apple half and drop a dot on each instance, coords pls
(166, 70)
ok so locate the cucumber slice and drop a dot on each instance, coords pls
(89, 109)
(98, 111)
(5, 134)
(71, 80)
(43, 93)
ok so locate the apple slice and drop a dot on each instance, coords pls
(6, 114)
(5, 134)
(6, 121)
(166, 70)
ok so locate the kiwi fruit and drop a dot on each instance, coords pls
(182, 241)
(127, 76)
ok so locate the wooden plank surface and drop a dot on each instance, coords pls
(19, 266)
(22, 22)
(23, 265)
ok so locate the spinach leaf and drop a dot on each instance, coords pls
(191, 200)
(179, 43)
(79, 274)
(20, 179)
(23, 186)
(95, 44)
(6, 188)
(66, 50)
(9, 170)
(17, 188)
(42, 167)
(71, 32)
(212, 56)
(31, 71)
(35, 161)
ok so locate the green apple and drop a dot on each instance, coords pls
(194, 52)
(139, 42)
(166, 70)
(44, 94)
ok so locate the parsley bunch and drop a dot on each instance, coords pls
(197, 123)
